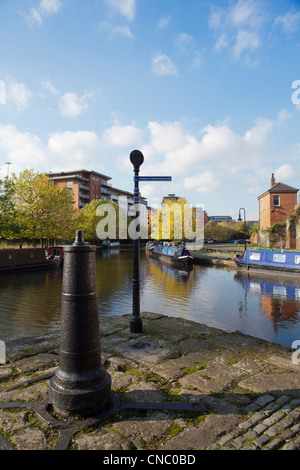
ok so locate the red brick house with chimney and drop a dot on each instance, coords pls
(276, 204)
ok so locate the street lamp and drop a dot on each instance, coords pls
(8, 163)
(240, 220)
(137, 159)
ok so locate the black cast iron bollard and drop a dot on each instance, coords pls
(137, 159)
(80, 386)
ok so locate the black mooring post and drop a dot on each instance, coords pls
(136, 326)
(80, 386)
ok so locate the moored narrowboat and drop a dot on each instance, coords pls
(23, 259)
(56, 253)
(283, 261)
(176, 255)
(107, 244)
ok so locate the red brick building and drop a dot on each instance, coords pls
(89, 185)
(85, 185)
(276, 204)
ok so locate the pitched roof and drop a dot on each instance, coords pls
(280, 188)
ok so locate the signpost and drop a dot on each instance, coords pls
(137, 159)
(152, 178)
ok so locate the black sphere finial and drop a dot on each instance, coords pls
(137, 159)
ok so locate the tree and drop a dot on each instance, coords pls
(225, 230)
(42, 209)
(173, 221)
(8, 225)
(95, 212)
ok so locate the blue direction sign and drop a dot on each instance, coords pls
(153, 178)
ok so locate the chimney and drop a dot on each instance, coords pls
(272, 180)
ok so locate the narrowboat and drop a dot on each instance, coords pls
(56, 253)
(176, 255)
(269, 260)
(107, 244)
(23, 259)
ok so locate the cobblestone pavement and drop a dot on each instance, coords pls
(233, 392)
(275, 424)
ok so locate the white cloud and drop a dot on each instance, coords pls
(284, 172)
(117, 30)
(22, 149)
(203, 182)
(163, 22)
(162, 65)
(47, 85)
(45, 8)
(120, 135)
(63, 150)
(221, 44)
(18, 94)
(71, 105)
(50, 7)
(69, 150)
(289, 22)
(202, 160)
(246, 12)
(124, 7)
(197, 60)
(238, 28)
(122, 31)
(216, 149)
(183, 42)
(245, 41)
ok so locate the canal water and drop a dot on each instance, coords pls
(264, 307)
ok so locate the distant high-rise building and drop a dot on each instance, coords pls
(220, 218)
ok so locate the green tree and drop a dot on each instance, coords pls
(42, 209)
(91, 215)
(8, 224)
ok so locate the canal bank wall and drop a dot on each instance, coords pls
(248, 389)
(213, 259)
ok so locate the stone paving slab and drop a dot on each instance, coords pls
(250, 389)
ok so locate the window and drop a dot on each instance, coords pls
(254, 256)
(276, 201)
(279, 258)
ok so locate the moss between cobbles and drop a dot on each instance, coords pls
(173, 431)
(51, 434)
(128, 368)
(8, 435)
(197, 366)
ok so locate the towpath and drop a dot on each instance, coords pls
(244, 392)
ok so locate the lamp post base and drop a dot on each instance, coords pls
(136, 325)
(80, 397)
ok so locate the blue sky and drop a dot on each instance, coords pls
(203, 88)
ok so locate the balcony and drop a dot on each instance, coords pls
(84, 188)
(105, 191)
(105, 183)
(84, 196)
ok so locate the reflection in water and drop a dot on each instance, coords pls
(279, 297)
(29, 303)
(267, 308)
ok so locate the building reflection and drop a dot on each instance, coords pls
(279, 297)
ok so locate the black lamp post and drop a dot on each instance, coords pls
(240, 220)
(137, 159)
